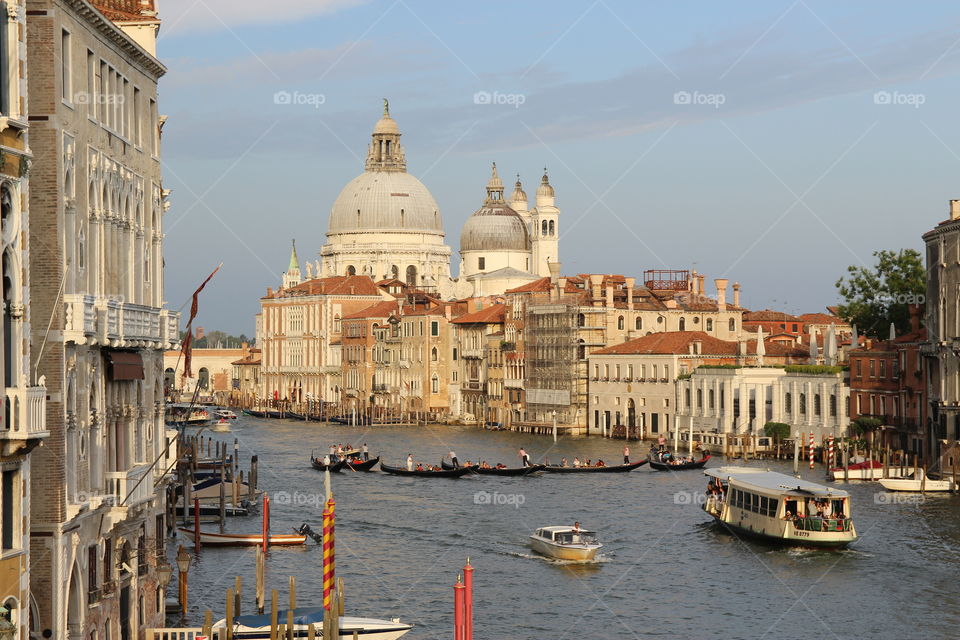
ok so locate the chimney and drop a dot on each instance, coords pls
(700, 288)
(915, 310)
(269, 291)
(557, 292)
(736, 294)
(630, 284)
(554, 268)
(447, 311)
(692, 285)
(595, 284)
(721, 293)
(954, 209)
(609, 295)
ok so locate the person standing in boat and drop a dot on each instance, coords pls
(366, 452)
(524, 457)
(453, 459)
(626, 454)
(409, 462)
(661, 443)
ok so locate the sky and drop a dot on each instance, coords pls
(771, 143)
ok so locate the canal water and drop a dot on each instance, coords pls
(665, 570)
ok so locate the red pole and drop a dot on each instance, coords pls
(468, 601)
(196, 524)
(266, 521)
(458, 599)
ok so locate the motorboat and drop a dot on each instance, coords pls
(870, 470)
(222, 425)
(258, 626)
(919, 482)
(565, 543)
(225, 414)
(759, 503)
(209, 538)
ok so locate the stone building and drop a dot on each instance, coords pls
(98, 322)
(245, 380)
(479, 338)
(23, 423)
(212, 371)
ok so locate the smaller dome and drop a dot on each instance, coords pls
(495, 227)
(519, 195)
(386, 124)
(545, 189)
(495, 183)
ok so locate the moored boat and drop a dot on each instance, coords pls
(565, 543)
(258, 626)
(919, 482)
(424, 473)
(682, 465)
(613, 468)
(239, 539)
(186, 415)
(333, 467)
(870, 470)
(779, 508)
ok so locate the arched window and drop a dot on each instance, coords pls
(709, 324)
(434, 355)
(403, 217)
(638, 323)
(620, 323)
(395, 272)
(543, 228)
(351, 270)
(411, 276)
(581, 349)
(435, 384)
(552, 228)
(203, 378)
(803, 404)
(8, 320)
(683, 324)
(733, 325)
(82, 250)
(6, 211)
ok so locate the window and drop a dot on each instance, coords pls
(883, 368)
(9, 524)
(803, 404)
(434, 328)
(638, 323)
(454, 353)
(788, 403)
(733, 325)
(481, 263)
(137, 118)
(435, 384)
(543, 228)
(66, 86)
(581, 320)
(816, 405)
(434, 356)
(709, 324)
(833, 406)
(620, 323)
(552, 228)
(859, 368)
(699, 398)
(873, 368)
(91, 84)
(710, 399)
(683, 324)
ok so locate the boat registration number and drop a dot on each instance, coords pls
(802, 534)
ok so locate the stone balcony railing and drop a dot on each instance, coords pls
(96, 320)
(513, 383)
(123, 487)
(472, 353)
(25, 413)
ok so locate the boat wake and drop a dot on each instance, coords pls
(600, 558)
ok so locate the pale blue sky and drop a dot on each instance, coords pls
(803, 169)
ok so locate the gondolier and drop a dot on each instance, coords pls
(524, 457)
(410, 462)
(453, 459)
(366, 452)
(626, 455)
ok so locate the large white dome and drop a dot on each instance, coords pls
(385, 201)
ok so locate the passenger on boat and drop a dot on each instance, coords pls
(576, 462)
(601, 463)
(563, 462)
(500, 465)
(484, 465)
(626, 455)
(333, 450)
(420, 466)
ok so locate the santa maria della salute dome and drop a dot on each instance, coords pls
(385, 224)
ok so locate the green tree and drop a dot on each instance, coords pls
(777, 430)
(875, 297)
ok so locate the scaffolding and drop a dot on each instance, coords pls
(553, 362)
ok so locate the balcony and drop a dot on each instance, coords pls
(25, 414)
(476, 354)
(123, 487)
(473, 386)
(513, 383)
(92, 320)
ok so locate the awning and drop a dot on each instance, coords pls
(124, 365)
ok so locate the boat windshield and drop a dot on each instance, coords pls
(569, 537)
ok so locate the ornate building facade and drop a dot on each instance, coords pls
(99, 327)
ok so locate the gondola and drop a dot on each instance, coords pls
(402, 471)
(686, 466)
(362, 465)
(333, 467)
(264, 414)
(613, 468)
(492, 471)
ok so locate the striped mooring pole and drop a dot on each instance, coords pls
(811, 450)
(830, 453)
(329, 573)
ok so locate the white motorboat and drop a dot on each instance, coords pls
(565, 543)
(919, 482)
(870, 470)
(258, 626)
(226, 414)
(222, 425)
(779, 508)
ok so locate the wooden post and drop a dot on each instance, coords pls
(196, 524)
(293, 592)
(238, 595)
(846, 461)
(311, 632)
(273, 614)
(259, 586)
(253, 478)
(236, 456)
(229, 618)
(208, 623)
(289, 624)
(223, 493)
(187, 492)
(265, 511)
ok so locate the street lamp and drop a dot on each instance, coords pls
(183, 565)
(164, 573)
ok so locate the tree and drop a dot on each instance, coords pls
(863, 425)
(777, 430)
(875, 297)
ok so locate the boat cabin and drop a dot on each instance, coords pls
(566, 535)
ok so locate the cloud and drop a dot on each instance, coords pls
(182, 16)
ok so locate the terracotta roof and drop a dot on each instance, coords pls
(678, 342)
(254, 357)
(491, 315)
(333, 286)
(821, 318)
(380, 310)
(127, 10)
(768, 315)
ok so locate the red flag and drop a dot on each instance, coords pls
(187, 349)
